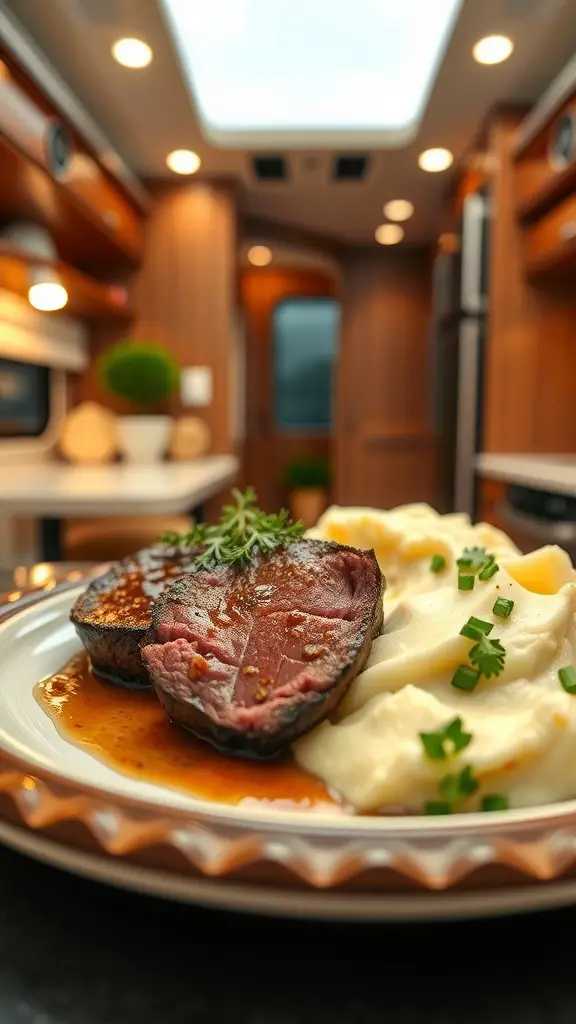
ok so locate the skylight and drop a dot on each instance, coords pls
(349, 68)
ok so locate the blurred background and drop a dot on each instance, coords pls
(324, 248)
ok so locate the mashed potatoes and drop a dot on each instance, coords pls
(522, 721)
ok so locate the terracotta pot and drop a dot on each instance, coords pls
(308, 504)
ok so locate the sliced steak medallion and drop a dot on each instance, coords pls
(252, 657)
(114, 613)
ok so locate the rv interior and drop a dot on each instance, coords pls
(352, 227)
(287, 472)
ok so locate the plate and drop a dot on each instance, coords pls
(59, 803)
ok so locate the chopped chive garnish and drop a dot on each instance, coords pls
(433, 743)
(474, 628)
(502, 607)
(470, 632)
(466, 678)
(494, 802)
(447, 741)
(456, 735)
(438, 563)
(481, 624)
(488, 656)
(437, 807)
(468, 784)
(458, 787)
(567, 677)
(489, 571)
(465, 582)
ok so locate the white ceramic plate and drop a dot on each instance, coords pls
(59, 803)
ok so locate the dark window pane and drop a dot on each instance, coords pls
(305, 333)
(24, 399)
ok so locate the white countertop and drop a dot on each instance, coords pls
(546, 472)
(55, 489)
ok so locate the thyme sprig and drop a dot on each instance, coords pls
(242, 531)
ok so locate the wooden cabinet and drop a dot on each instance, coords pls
(545, 183)
(550, 243)
(88, 183)
(48, 175)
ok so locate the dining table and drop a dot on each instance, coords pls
(74, 951)
(78, 951)
(51, 492)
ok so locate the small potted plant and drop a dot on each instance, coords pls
(308, 480)
(146, 375)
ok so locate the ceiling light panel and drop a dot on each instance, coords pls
(349, 69)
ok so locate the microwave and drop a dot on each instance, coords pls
(24, 399)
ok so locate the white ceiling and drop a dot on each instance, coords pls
(150, 112)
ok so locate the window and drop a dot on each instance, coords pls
(339, 66)
(305, 343)
(24, 399)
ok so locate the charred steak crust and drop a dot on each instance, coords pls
(115, 611)
(250, 658)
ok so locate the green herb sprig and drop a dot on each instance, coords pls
(242, 531)
(474, 559)
(487, 656)
(446, 742)
(475, 562)
(456, 787)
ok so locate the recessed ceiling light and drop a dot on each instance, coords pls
(132, 53)
(259, 256)
(389, 234)
(47, 296)
(435, 159)
(183, 161)
(399, 209)
(492, 49)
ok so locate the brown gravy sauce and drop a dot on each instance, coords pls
(128, 730)
(130, 599)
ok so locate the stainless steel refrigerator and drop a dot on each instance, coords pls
(458, 329)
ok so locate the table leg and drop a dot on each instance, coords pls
(51, 540)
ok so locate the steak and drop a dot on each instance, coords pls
(114, 613)
(251, 657)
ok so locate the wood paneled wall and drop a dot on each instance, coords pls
(185, 295)
(385, 452)
(531, 355)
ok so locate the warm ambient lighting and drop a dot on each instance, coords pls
(492, 49)
(259, 256)
(398, 209)
(389, 234)
(435, 159)
(48, 296)
(132, 53)
(183, 161)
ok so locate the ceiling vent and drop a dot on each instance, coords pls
(349, 168)
(269, 168)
